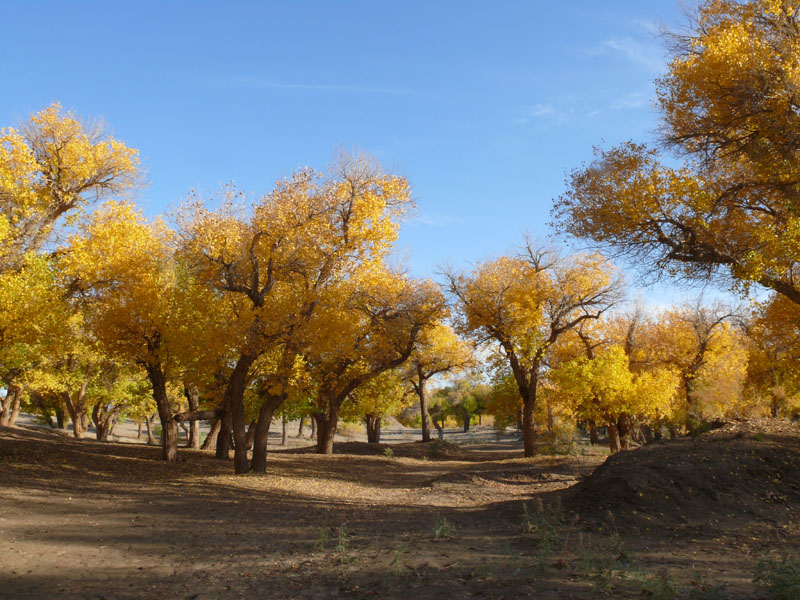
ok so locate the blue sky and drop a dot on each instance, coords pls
(484, 106)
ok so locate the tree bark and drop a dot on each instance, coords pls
(261, 439)
(169, 428)
(148, 424)
(15, 408)
(300, 427)
(234, 399)
(7, 417)
(613, 437)
(326, 427)
(313, 428)
(373, 423)
(284, 432)
(77, 411)
(624, 430)
(419, 387)
(59, 410)
(211, 438)
(251, 434)
(199, 415)
(223, 446)
(466, 422)
(193, 399)
(529, 427)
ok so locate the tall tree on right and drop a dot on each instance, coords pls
(730, 112)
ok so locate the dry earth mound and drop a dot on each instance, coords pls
(741, 473)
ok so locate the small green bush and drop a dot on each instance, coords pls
(779, 577)
(443, 529)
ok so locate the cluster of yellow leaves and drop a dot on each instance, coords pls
(729, 104)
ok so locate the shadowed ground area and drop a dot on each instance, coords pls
(80, 519)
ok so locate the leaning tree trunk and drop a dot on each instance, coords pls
(373, 423)
(15, 408)
(169, 427)
(261, 439)
(300, 427)
(211, 438)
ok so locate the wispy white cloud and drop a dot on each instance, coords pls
(631, 101)
(343, 88)
(550, 114)
(647, 55)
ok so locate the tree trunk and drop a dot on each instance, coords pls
(439, 428)
(59, 416)
(211, 438)
(234, 399)
(261, 439)
(300, 427)
(77, 411)
(223, 446)
(284, 431)
(529, 427)
(647, 433)
(657, 435)
(673, 431)
(313, 428)
(193, 399)
(419, 387)
(10, 405)
(15, 408)
(593, 437)
(466, 422)
(613, 437)
(326, 427)
(373, 423)
(624, 430)
(169, 428)
(251, 434)
(149, 423)
(550, 422)
(139, 432)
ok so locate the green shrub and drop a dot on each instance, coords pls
(779, 577)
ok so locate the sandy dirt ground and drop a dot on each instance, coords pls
(82, 519)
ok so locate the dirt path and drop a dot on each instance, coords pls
(79, 519)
